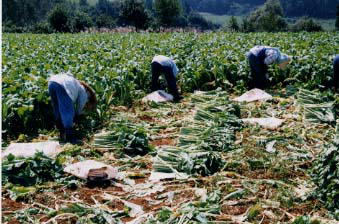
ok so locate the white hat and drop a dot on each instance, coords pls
(284, 58)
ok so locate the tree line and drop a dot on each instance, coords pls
(48, 16)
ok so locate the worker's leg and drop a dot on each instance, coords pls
(171, 82)
(67, 112)
(336, 72)
(156, 70)
(52, 89)
(258, 76)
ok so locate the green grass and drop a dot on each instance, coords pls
(219, 19)
(90, 2)
(327, 24)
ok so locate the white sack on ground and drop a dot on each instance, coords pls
(81, 169)
(253, 95)
(158, 97)
(269, 123)
(50, 149)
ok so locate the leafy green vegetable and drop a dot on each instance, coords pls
(30, 171)
(118, 67)
(132, 139)
(169, 160)
(191, 212)
(316, 108)
(326, 175)
(92, 215)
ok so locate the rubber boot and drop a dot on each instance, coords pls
(176, 96)
(70, 137)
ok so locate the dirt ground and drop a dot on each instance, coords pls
(271, 181)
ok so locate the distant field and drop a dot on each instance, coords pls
(90, 2)
(219, 19)
(327, 24)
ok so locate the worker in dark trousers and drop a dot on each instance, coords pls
(69, 98)
(259, 58)
(166, 66)
(336, 72)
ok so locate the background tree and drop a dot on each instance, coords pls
(337, 20)
(269, 17)
(167, 11)
(59, 19)
(83, 3)
(105, 21)
(247, 26)
(81, 21)
(233, 25)
(135, 13)
(306, 24)
(107, 7)
(198, 21)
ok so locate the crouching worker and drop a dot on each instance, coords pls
(336, 72)
(166, 66)
(69, 98)
(259, 58)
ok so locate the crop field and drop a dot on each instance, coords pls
(221, 169)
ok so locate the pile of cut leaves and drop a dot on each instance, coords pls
(215, 122)
(171, 160)
(123, 135)
(316, 108)
(208, 132)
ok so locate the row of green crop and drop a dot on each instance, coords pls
(117, 66)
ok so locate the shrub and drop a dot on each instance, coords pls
(105, 21)
(42, 27)
(81, 21)
(60, 19)
(269, 17)
(306, 24)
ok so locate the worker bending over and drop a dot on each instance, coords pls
(166, 66)
(259, 58)
(69, 98)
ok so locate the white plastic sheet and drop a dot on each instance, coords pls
(158, 97)
(157, 176)
(254, 95)
(50, 149)
(269, 123)
(81, 169)
(270, 147)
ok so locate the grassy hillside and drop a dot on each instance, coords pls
(327, 24)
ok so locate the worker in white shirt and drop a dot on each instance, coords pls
(166, 66)
(69, 98)
(259, 58)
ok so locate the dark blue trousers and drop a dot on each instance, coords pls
(336, 72)
(258, 78)
(157, 70)
(63, 107)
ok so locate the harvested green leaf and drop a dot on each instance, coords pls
(326, 175)
(170, 160)
(30, 171)
(132, 139)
